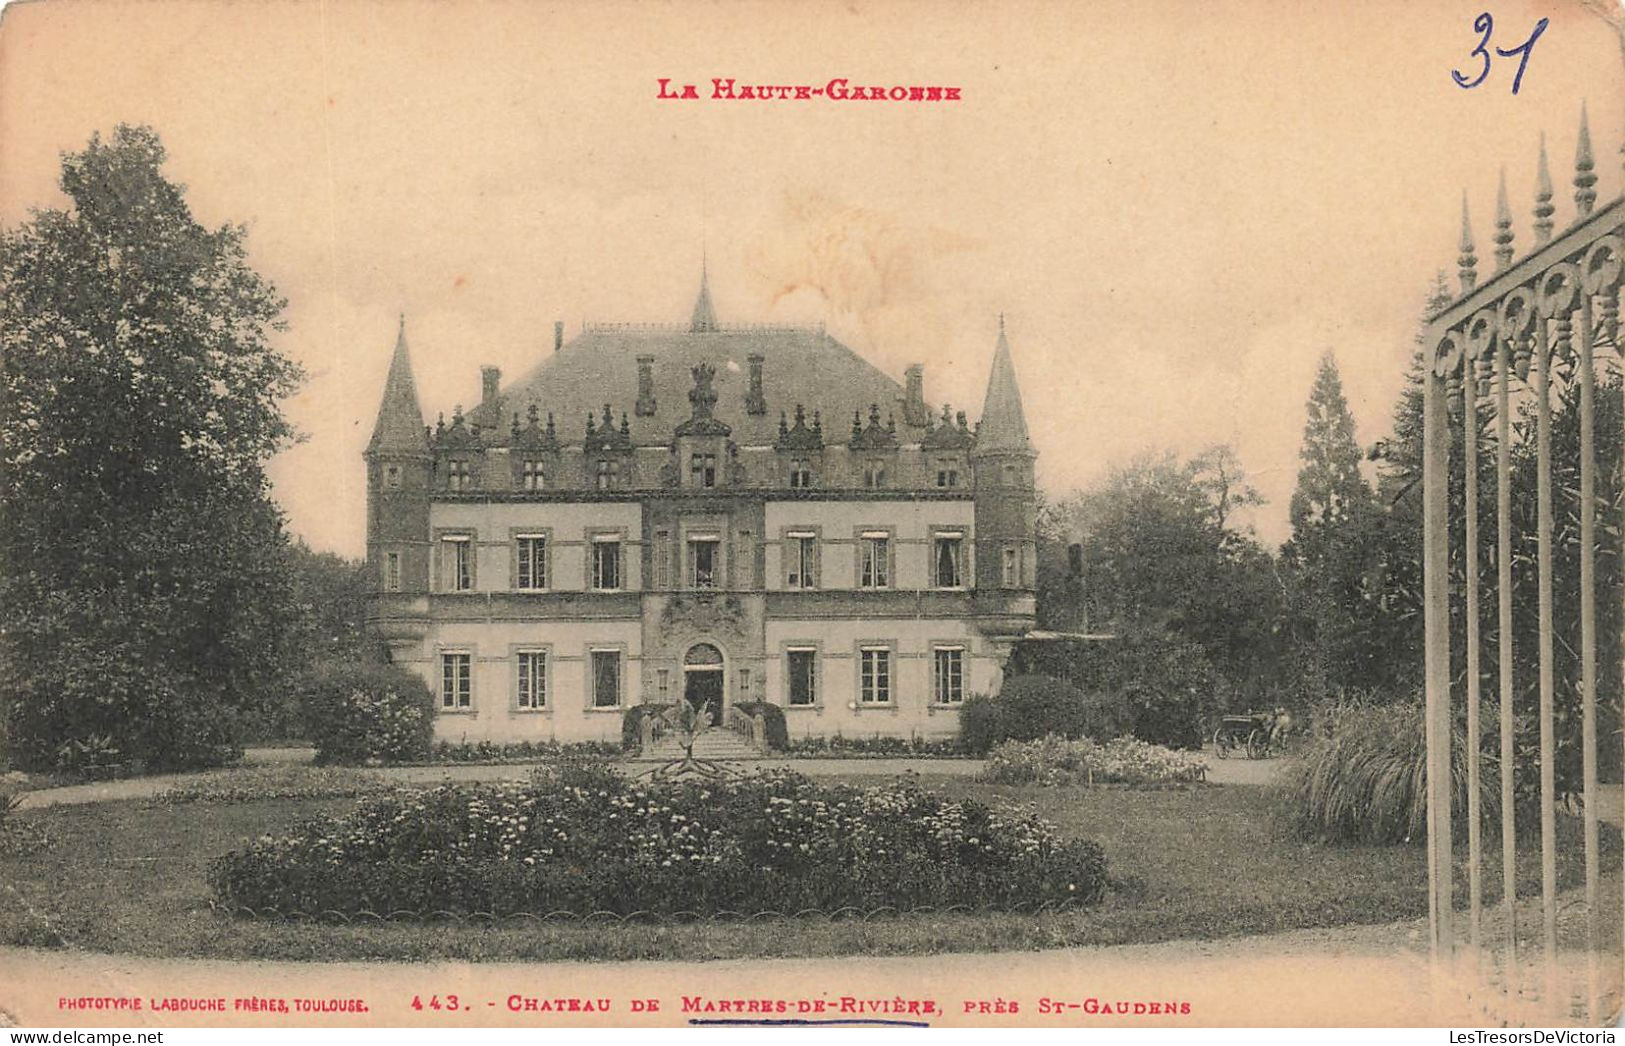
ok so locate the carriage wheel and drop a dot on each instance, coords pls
(1258, 744)
(1221, 743)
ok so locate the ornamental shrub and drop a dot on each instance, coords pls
(361, 713)
(585, 839)
(1055, 760)
(778, 734)
(1027, 707)
(1360, 776)
(631, 736)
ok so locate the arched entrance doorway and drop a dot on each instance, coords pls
(703, 679)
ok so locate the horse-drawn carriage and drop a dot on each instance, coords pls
(1256, 734)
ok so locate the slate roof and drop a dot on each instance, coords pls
(400, 417)
(799, 365)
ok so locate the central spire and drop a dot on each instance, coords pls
(705, 317)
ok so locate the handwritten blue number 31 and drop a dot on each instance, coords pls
(1482, 24)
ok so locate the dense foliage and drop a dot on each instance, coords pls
(1360, 776)
(1145, 681)
(778, 733)
(1055, 760)
(1025, 708)
(519, 751)
(586, 839)
(361, 712)
(144, 604)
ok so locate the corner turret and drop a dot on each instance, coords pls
(399, 466)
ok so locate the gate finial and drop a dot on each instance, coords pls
(1503, 225)
(1543, 198)
(1468, 261)
(1585, 179)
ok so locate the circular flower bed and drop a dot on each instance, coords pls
(585, 839)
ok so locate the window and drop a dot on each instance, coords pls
(1012, 567)
(947, 569)
(703, 469)
(1012, 474)
(606, 678)
(609, 474)
(950, 681)
(530, 570)
(875, 555)
(800, 474)
(874, 684)
(704, 561)
(530, 691)
(744, 682)
(457, 475)
(534, 477)
(803, 668)
(392, 571)
(392, 477)
(801, 559)
(456, 563)
(606, 564)
(456, 681)
(664, 676)
(874, 474)
(947, 474)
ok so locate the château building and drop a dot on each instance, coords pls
(701, 512)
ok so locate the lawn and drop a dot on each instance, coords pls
(1186, 864)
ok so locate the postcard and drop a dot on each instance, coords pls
(713, 513)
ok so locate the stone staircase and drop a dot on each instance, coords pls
(717, 746)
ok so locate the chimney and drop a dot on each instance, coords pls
(490, 381)
(558, 335)
(755, 401)
(915, 412)
(645, 407)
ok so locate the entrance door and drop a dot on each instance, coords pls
(702, 688)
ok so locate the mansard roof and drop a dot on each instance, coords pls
(799, 365)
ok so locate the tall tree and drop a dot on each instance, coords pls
(144, 598)
(1334, 552)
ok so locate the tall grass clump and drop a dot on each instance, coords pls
(1360, 777)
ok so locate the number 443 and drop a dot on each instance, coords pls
(436, 1003)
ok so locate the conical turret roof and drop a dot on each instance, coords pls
(1004, 424)
(400, 418)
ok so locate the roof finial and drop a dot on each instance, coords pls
(1543, 198)
(1503, 225)
(704, 317)
(1467, 260)
(1585, 179)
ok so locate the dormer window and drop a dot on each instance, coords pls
(457, 475)
(947, 474)
(874, 473)
(532, 475)
(703, 469)
(800, 474)
(609, 474)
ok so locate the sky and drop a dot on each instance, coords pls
(1178, 207)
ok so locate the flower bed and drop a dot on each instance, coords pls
(839, 747)
(519, 751)
(1054, 760)
(585, 839)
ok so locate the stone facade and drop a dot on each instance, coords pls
(701, 513)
